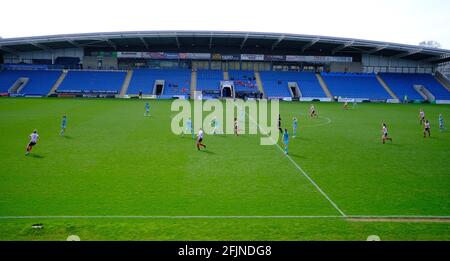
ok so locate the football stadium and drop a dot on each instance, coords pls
(87, 148)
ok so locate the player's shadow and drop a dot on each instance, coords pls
(208, 152)
(67, 137)
(37, 156)
(293, 155)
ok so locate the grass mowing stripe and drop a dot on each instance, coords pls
(302, 171)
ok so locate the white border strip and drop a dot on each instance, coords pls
(167, 217)
(229, 217)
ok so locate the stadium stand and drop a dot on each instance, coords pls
(176, 81)
(243, 80)
(209, 80)
(276, 84)
(355, 85)
(93, 81)
(403, 84)
(39, 81)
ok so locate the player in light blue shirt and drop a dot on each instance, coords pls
(147, 109)
(189, 128)
(63, 125)
(441, 123)
(294, 125)
(286, 141)
(215, 125)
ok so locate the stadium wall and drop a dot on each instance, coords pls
(27, 57)
(376, 63)
(94, 63)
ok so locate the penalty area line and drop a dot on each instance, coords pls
(303, 172)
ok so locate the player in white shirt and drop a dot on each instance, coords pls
(200, 139)
(426, 129)
(346, 105)
(421, 116)
(33, 141)
(385, 135)
(312, 111)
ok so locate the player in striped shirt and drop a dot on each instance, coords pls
(33, 141)
(312, 111)
(200, 140)
(385, 134)
(426, 129)
(421, 116)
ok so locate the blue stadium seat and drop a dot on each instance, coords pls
(403, 84)
(176, 81)
(243, 80)
(40, 81)
(355, 85)
(276, 84)
(93, 81)
(209, 80)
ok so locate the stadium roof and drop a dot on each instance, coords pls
(225, 42)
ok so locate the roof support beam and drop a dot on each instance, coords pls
(8, 49)
(377, 49)
(405, 54)
(210, 40)
(176, 39)
(277, 42)
(434, 58)
(110, 43)
(40, 46)
(341, 47)
(74, 43)
(143, 42)
(244, 41)
(308, 45)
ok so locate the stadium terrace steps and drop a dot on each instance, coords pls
(193, 83)
(324, 86)
(259, 83)
(225, 75)
(126, 83)
(58, 82)
(442, 80)
(176, 81)
(403, 84)
(276, 84)
(39, 82)
(386, 87)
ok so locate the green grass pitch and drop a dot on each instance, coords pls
(118, 175)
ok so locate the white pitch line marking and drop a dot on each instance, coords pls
(227, 217)
(168, 217)
(319, 124)
(302, 171)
